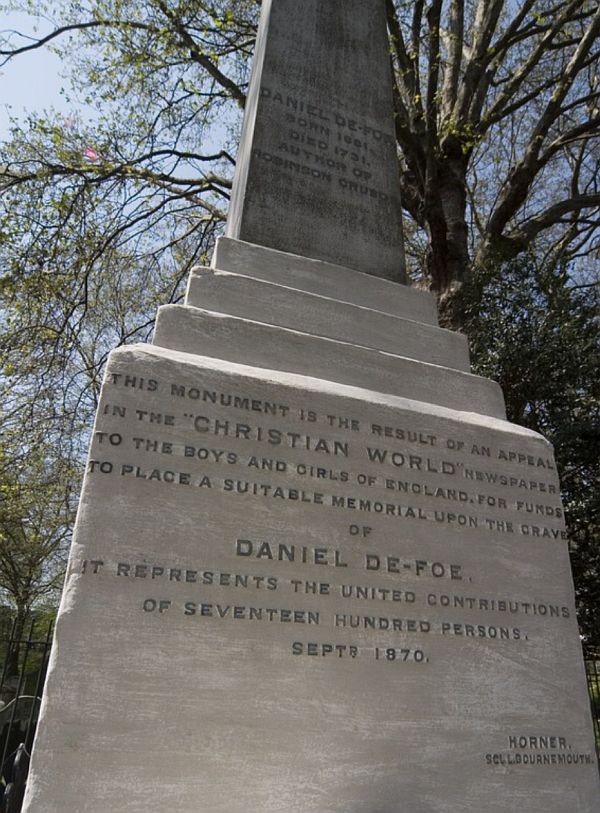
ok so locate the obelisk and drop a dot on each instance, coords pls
(314, 569)
(317, 172)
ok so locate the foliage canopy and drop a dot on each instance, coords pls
(539, 336)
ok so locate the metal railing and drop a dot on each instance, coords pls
(25, 652)
(592, 670)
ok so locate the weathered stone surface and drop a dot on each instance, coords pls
(194, 330)
(317, 172)
(324, 279)
(420, 652)
(309, 574)
(321, 316)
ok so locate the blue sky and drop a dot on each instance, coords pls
(31, 81)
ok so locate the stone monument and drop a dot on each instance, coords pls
(315, 570)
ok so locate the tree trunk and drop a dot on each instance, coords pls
(448, 256)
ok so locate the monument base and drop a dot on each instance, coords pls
(299, 594)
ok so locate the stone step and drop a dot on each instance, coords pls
(266, 302)
(204, 333)
(324, 279)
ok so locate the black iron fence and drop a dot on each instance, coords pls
(592, 669)
(24, 654)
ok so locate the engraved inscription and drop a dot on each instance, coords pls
(213, 440)
(379, 545)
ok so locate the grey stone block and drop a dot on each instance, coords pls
(284, 307)
(325, 279)
(193, 330)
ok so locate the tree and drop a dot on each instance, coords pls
(495, 103)
(101, 220)
(36, 515)
(498, 124)
(538, 335)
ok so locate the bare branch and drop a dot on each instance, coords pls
(583, 131)
(518, 184)
(455, 35)
(407, 73)
(552, 215)
(486, 20)
(197, 55)
(66, 29)
(516, 82)
(415, 52)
